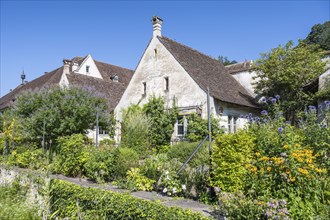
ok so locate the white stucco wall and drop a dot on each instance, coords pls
(152, 69)
(245, 78)
(325, 76)
(93, 70)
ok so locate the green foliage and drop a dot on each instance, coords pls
(27, 158)
(73, 201)
(198, 128)
(286, 71)
(135, 130)
(231, 153)
(183, 150)
(100, 164)
(72, 155)
(320, 34)
(126, 158)
(162, 120)
(13, 204)
(65, 111)
(225, 61)
(136, 181)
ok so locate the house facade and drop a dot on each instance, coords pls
(179, 73)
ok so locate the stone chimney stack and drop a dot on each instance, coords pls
(66, 66)
(157, 26)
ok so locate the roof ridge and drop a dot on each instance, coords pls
(112, 65)
(190, 48)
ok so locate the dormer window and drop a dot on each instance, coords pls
(115, 78)
(87, 69)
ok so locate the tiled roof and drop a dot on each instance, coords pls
(239, 67)
(106, 88)
(48, 79)
(209, 73)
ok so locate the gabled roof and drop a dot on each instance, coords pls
(209, 73)
(106, 88)
(49, 79)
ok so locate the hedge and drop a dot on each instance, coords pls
(73, 201)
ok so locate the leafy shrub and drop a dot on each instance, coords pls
(72, 155)
(100, 164)
(162, 120)
(27, 158)
(183, 150)
(136, 181)
(236, 206)
(135, 129)
(71, 201)
(198, 128)
(230, 155)
(125, 158)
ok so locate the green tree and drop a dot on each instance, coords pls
(286, 71)
(320, 34)
(162, 120)
(225, 61)
(63, 112)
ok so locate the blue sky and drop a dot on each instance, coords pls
(37, 35)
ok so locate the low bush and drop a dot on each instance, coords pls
(72, 155)
(125, 159)
(100, 164)
(231, 153)
(72, 201)
(136, 181)
(27, 158)
(183, 150)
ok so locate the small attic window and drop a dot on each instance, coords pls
(115, 78)
(155, 53)
(87, 69)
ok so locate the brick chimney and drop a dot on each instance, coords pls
(157, 26)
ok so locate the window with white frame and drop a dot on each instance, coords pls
(232, 124)
(103, 130)
(181, 126)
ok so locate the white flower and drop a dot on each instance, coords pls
(164, 190)
(174, 190)
(166, 172)
(167, 178)
(184, 187)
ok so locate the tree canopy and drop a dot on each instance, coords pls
(225, 61)
(320, 34)
(287, 71)
(62, 111)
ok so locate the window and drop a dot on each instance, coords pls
(181, 126)
(155, 53)
(103, 131)
(87, 69)
(166, 84)
(232, 124)
(144, 88)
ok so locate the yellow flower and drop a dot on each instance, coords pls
(257, 154)
(264, 159)
(269, 169)
(311, 166)
(320, 170)
(287, 171)
(292, 179)
(303, 171)
(286, 146)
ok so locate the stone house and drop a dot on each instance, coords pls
(104, 80)
(177, 72)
